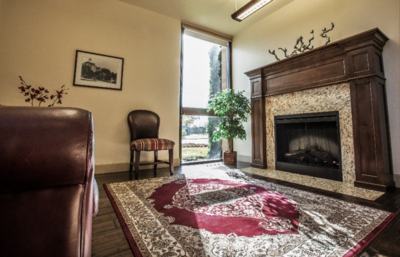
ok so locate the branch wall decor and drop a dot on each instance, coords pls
(284, 51)
(324, 31)
(300, 47)
(274, 54)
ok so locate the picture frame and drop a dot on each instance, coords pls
(98, 70)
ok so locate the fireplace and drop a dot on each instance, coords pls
(345, 76)
(309, 144)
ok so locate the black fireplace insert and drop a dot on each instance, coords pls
(309, 144)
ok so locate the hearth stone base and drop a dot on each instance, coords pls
(320, 183)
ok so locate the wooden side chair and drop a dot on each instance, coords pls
(144, 126)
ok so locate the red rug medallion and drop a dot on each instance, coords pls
(226, 213)
(225, 207)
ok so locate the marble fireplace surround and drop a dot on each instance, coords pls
(345, 76)
(322, 99)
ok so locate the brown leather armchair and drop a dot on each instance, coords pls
(48, 195)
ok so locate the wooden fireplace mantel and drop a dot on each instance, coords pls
(356, 60)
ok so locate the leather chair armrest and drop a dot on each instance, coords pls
(44, 147)
(95, 198)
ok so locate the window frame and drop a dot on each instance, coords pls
(213, 37)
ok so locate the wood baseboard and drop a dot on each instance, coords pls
(124, 166)
(390, 187)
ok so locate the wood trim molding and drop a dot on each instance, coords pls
(342, 61)
(196, 111)
(259, 153)
(356, 60)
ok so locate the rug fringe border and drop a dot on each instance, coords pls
(371, 236)
(127, 232)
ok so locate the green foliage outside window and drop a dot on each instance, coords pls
(214, 54)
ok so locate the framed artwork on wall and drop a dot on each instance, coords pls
(98, 70)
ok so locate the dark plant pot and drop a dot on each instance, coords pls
(230, 158)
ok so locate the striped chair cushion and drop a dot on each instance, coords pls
(152, 144)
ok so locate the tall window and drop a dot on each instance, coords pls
(204, 73)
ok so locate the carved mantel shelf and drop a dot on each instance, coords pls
(356, 60)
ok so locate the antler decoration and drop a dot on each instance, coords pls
(304, 47)
(324, 31)
(274, 54)
(309, 41)
(284, 51)
(299, 40)
(299, 47)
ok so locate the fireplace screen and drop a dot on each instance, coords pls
(309, 144)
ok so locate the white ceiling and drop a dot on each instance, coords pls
(210, 14)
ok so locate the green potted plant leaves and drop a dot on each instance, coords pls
(232, 109)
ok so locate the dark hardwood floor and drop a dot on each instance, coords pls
(109, 240)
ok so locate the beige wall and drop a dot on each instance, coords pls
(39, 39)
(282, 28)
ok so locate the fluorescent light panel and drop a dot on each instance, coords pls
(249, 9)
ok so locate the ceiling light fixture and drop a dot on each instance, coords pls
(248, 9)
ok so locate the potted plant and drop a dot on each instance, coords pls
(232, 109)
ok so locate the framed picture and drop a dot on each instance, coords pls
(98, 70)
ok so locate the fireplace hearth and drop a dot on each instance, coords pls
(309, 144)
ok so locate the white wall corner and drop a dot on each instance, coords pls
(244, 158)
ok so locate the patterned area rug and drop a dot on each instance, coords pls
(217, 212)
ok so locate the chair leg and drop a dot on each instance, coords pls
(155, 165)
(171, 161)
(131, 162)
(137, 160)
